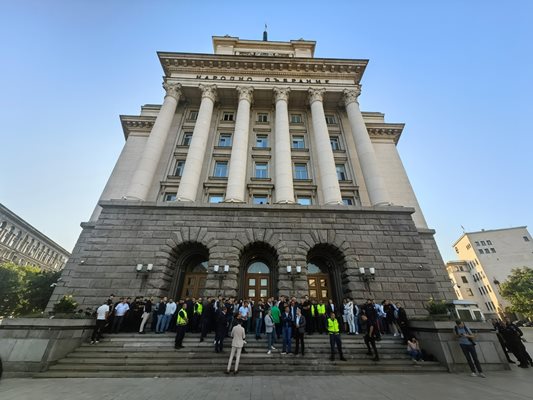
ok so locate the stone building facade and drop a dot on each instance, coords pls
(258, 176)
(22, 244)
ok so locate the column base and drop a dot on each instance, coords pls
(233, 201)
(183, 200)
(285, 202)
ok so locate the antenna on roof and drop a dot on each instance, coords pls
(265, 34)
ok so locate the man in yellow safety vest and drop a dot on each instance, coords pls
(334, 337)
(181, 326)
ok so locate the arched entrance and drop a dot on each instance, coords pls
(319, 283)
(258, 271)
(325, 264)
(190, 273)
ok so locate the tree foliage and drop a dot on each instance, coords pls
(24, 289)
(518, 289)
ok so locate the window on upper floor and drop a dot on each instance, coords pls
(224, 140)
(335, 142)
(298, 142)
(259, 199)
(169, 196)
(330, 119)
(261, 170)
(492, 250)
(296, 118)
(300, 172)
(221, 169)
(469, 292)
(526, 239)
(480, 251)
(261, 141)
(180, 164)
(483, 243)
(304, 200)
(262, 117)
(477, 244)
(468, 246)
(487, 251)
(228, 116)
(341, 172)
(216, 198)
(463, 278)
(347, 201)
(489, 243)
(193, 115)
(187, 137)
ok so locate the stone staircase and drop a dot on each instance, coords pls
(151, 355)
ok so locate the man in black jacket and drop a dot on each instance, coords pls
(221, 328)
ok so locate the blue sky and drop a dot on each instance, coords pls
(457, 73)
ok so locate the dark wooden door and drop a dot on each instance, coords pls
(193, 285)
(319, 287)
(257, 286)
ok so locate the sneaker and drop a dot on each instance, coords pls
(482, 375)
(273, 348)
(473, 374)
(97, 342)
(269, 352)
(357, 333)
(283, 352)
(92, 341)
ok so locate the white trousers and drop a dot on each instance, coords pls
(237, 359)
(144, 319)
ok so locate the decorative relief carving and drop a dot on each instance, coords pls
(351, 95)
(281, 93)
(245, 93)
(316, 95)
(173, 90)
(209, 91)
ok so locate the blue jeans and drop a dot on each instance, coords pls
(287, 338)
(162, 322)
(356, 322)
(469, 350)
(270, 340)
(415, 354)
(258, 325)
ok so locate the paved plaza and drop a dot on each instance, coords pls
(515, 384)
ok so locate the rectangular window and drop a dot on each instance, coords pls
(480, 251)
(180, 164)
(261, 141)
(341, 172)
(261, 170)
(262, 117)
(487, 251)
(300, 171)
(228, 116)
(483, 243)
(489, 243)
(480, 291)
(221, 169)
(224, 140)
(335, 143)
(463, 278)
(298, 142)
(469, 292)
(347, 201)
(260, 199)
(492, 250)
(304, 200)
(193, 115)
(468, 246)
(330, 119)
(296, 118)
(187, 137)
(169, 196)
(216, 198)
(477, 244)
(526, 239)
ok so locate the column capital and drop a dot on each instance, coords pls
(316, 95)
(281, 93)
(351, 95)
(245, 93)
(209, 91)
(173, 90)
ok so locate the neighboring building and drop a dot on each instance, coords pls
(486, 260)
(22, 244)
(258, 176)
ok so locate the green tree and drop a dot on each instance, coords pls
(518, 289)
(24, 289)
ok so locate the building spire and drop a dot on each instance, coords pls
(265, 34)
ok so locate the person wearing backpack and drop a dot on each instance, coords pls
(466, 341)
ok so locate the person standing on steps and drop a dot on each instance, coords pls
(371, 334)
(286, 330)
(181, 327)
(334, 336)
(237, 343)
(101, 318)
(147, 311)
(221, 328)
(270, 330)
(299, 331)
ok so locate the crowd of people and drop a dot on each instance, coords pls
(281, 320)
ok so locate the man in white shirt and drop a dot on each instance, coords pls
(101, 318)
(169, 312)
(120, 311)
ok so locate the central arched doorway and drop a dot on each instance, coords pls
(190, 273)
(319, 283)
(258, 283)
(325, 264)
(258, 271)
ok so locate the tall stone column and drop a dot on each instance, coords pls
(235, 192)
(195, 157)
(282, 152)
(377, 191)
(326, 162)
(144, 174)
